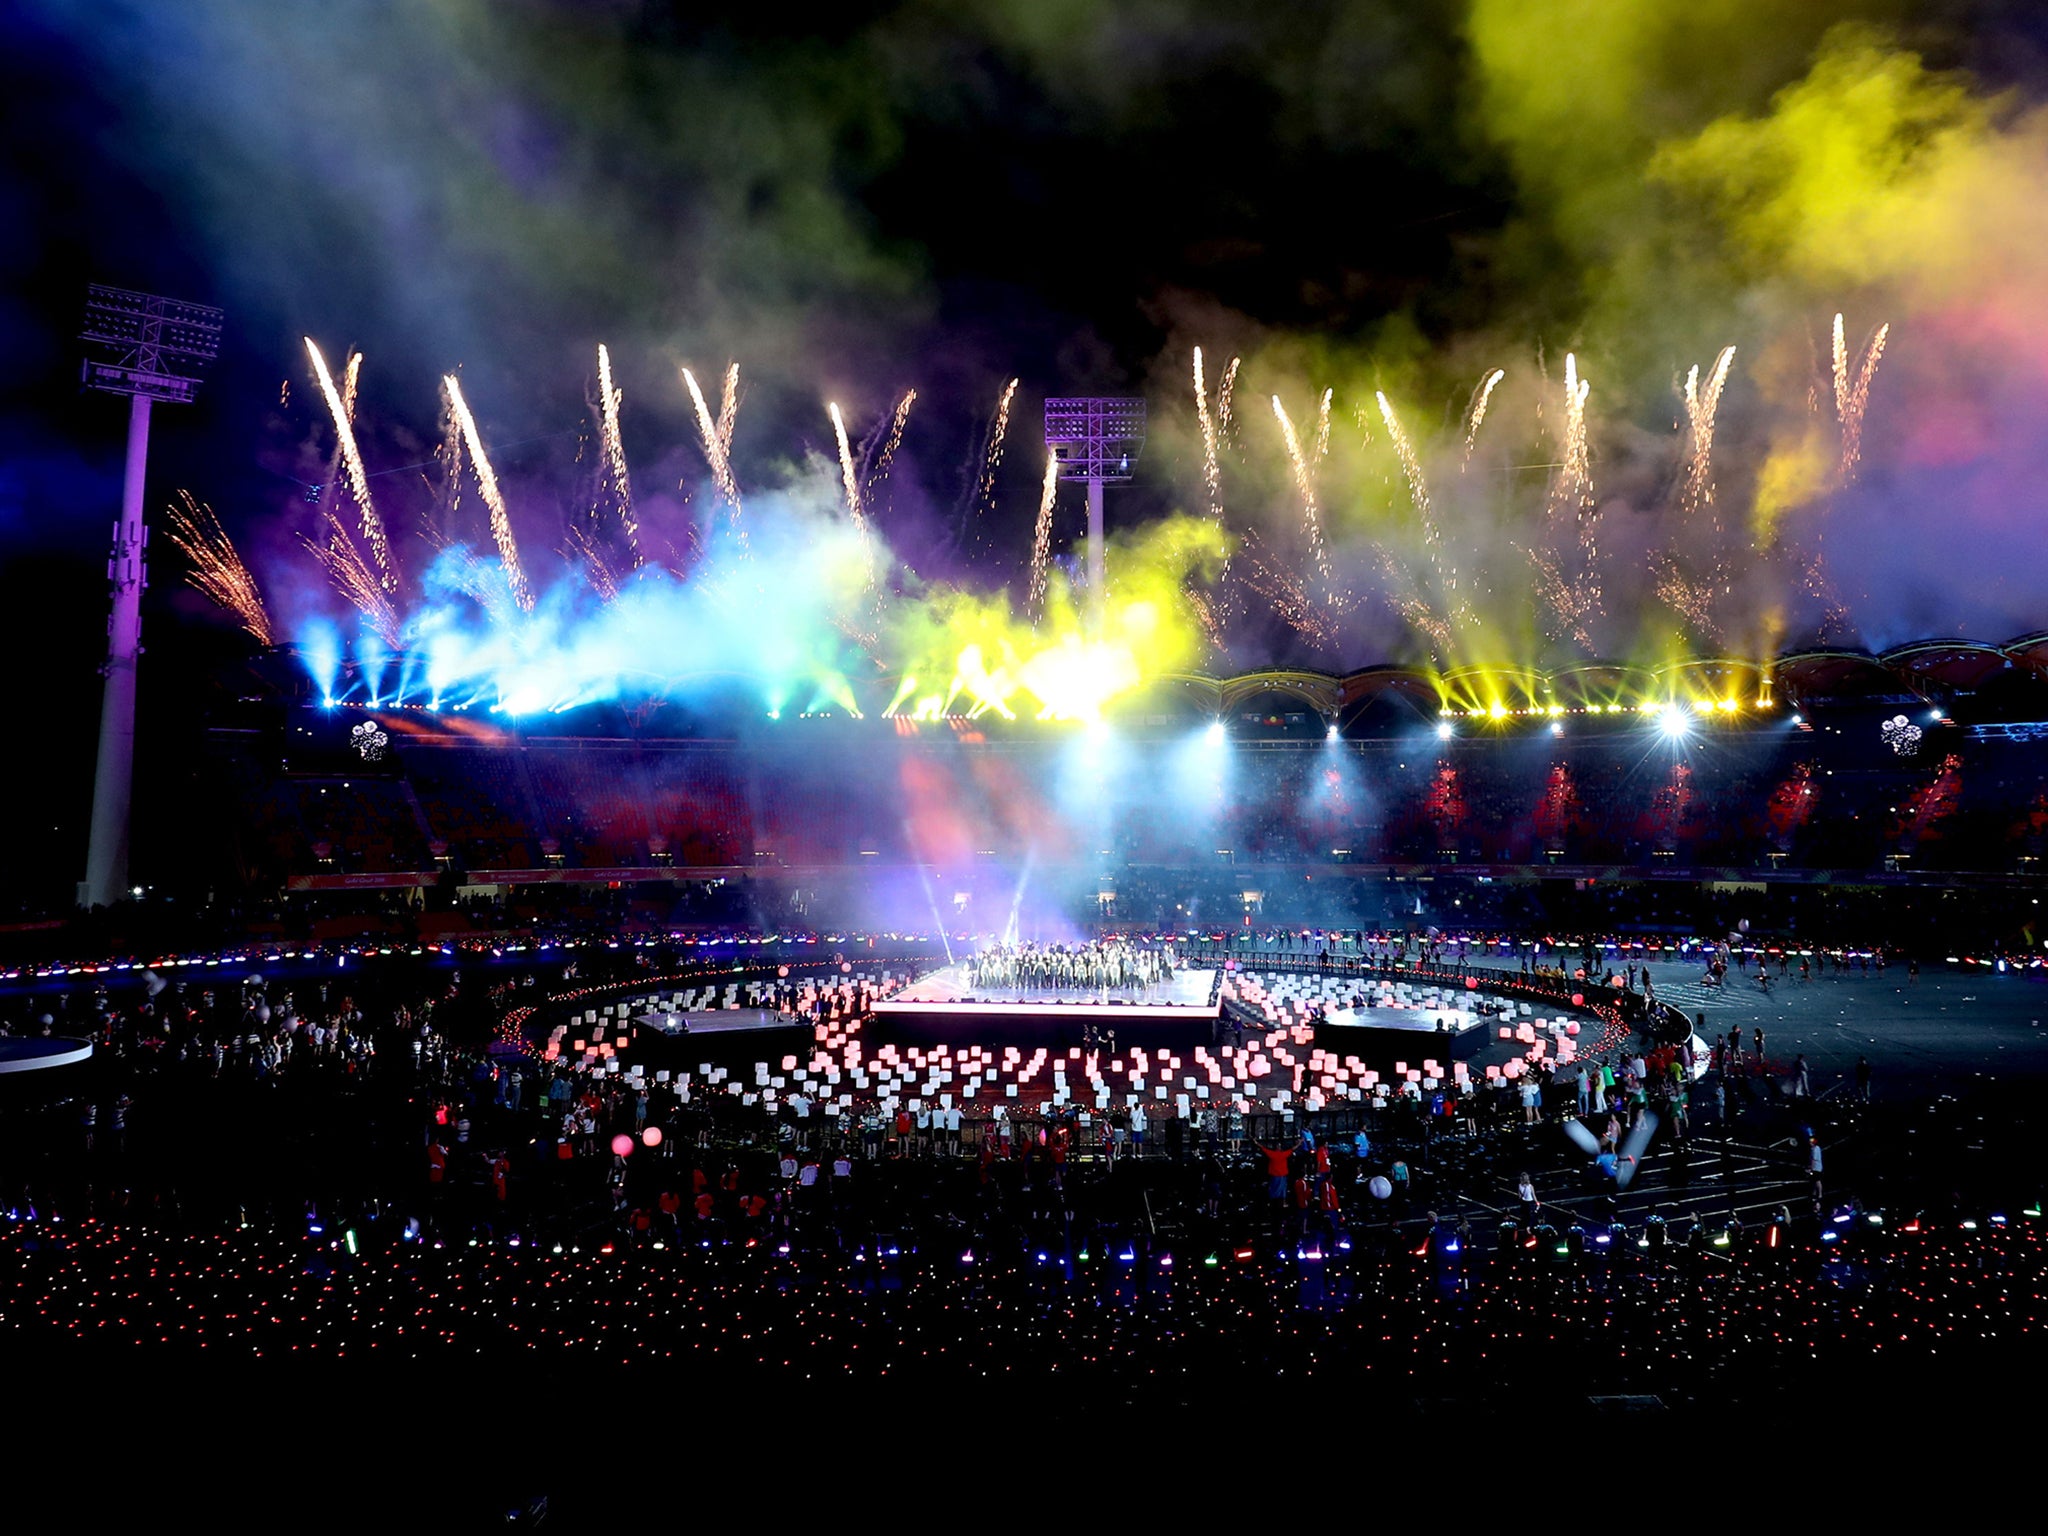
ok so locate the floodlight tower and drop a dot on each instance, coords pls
(1096, 438)
(146, 348)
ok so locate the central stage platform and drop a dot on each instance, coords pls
(1420, 1021)
(1192, 994)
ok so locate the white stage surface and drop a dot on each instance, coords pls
(1192, 994)
(1420, 1021)
(717, 1021)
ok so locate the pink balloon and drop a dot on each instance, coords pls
(622, 1144)
(1578, 999)
(651, 1136)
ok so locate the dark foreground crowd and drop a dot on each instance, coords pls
(372, 1174)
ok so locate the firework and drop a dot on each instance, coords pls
(609, 400)
(494, 499)
(728, 409)
(1212, 470)
(1477, 412)
(352, 462)
(1700, 408)
(1323, 425)
(850, 477)
(351, 380)
(992, 461)
(717, 434)
(1571, 604)
(1285, 594)
(583, 552)
(354, 579)
(1305, 483)
(1226, 397)
(892, 442)
(1691, 598)
(217, 568)
(1572, 491)
(1852, 397)
(1041, 536)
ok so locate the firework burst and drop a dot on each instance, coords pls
(217, 568)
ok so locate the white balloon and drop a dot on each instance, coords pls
(1380, 1187)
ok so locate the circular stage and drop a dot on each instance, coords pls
(36, 1055)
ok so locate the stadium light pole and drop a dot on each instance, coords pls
(1096, 439)
(147, 348)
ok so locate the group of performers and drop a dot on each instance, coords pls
(1103, 966)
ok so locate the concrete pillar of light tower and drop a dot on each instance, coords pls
(1097, 581)
(106, 860)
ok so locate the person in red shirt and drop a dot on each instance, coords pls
(1276, 1169)
(501, 1173)
(437, 1163)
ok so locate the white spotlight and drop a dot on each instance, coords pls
(1443, 730)
(1215, 730)
(1673, 721)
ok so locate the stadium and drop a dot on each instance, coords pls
(1311, 726)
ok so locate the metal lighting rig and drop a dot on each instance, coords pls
(146, 348)
(1096, 438)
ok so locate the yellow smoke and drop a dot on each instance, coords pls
(969, 653)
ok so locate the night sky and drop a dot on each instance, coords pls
(946, 195)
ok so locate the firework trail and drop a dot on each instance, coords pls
(1418, 492)
(1411, 466)
(1305, 482)
(1852, 398)
(1212, 469)
(992, 461)
(609, 401)
(880, 472)
(1323, 426)
(583, 551)
(1286, 595)
(850, 477)
(448, 493)
(494, 499)
(728, 408)
(1572, 492)
(351, 379)
(1041, 537)
(1226, 397)
(352, 461)
(218, 570)
(717, 434)
(1571, 603)
(1477, 413)
(1700, 408)
(355, 580)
